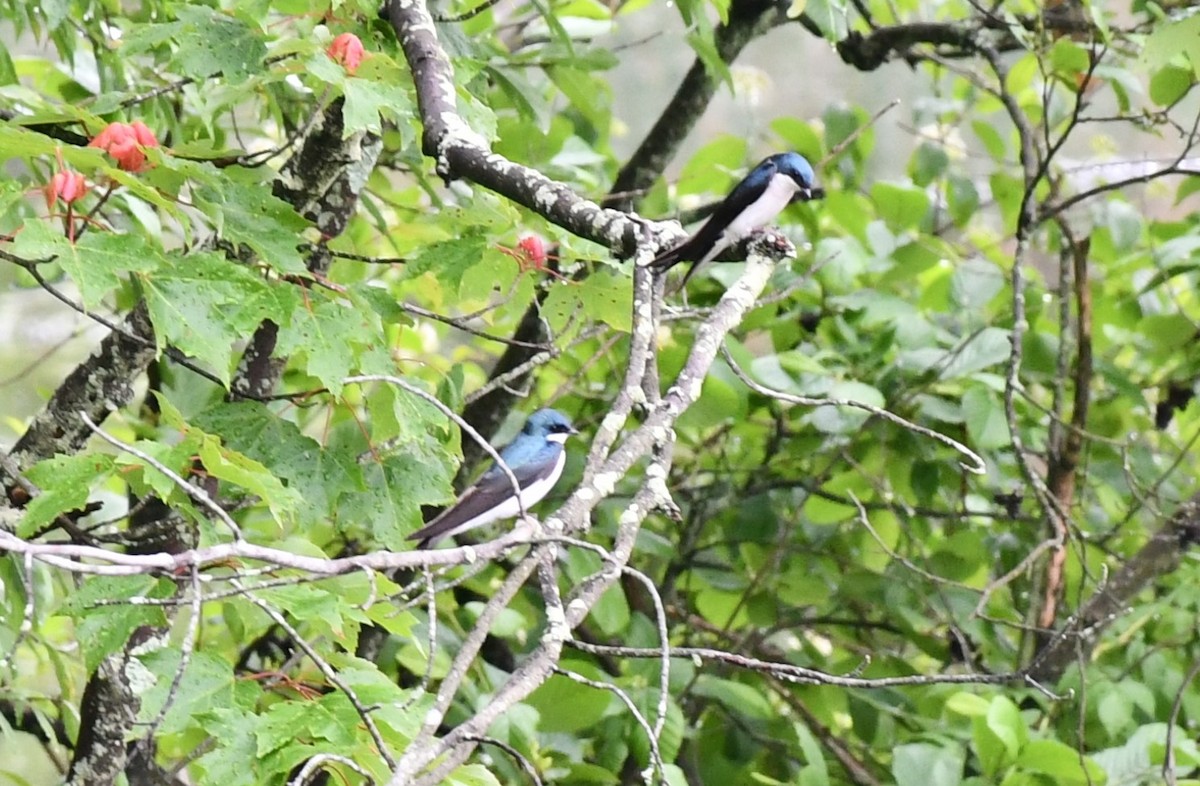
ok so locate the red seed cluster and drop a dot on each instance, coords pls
(533, 249)
(126, 143)
(348, 50)
(65, 185)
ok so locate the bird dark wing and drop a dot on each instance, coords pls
(695, 247)
(492, 488)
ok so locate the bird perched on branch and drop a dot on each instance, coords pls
(777, 181)
(536, 458)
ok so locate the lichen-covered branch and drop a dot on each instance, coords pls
(322, 182)
(101, 384)
(462, 153)
(652, 439)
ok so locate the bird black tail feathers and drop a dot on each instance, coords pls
(672, 257)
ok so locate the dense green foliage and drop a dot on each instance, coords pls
(1046, 198)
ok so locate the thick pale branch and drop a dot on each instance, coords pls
(460, 152)
(655, 436)
(94, 560)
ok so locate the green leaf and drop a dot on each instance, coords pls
(399, 711)
(472, 775)
(875, 548)
(586, 9)
(710, 170)
(707, 53)
(210, 42)
(333, 339)
(1069, 58)
(396, 490)
(65, 483)
(605, 296)
(737, 697)
(962, 557)
(987, 348)
(1004, 720)
(969, 704)
(509, 623)
(285, 722)
(928, 163)
(322, 476)
(1060, 761)
(251, 475)
(1189, 186)
(449, 260)
(923, 764)
(1115, 711)
(367, 100)
(1131, 761)
(204, 304)
(975, 282)
(1125, 224)
(843, 420)
(611, 612)
(567, 706)
(145, 479)
(983, 414)
(902, 207)
(646, 700)
(831, 16)
(586, 93)
(8, 72)
(102, 630)
(249, 213)
(799, 136)
(97, 262)
(962, 199)
(1174, 39)
(207, 682)
(816, 773)
(235, 760)
(722, 399)
(1170, 83)
(992, 140)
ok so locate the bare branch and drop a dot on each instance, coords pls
(192, 490)
(798, 674)
(977, 465)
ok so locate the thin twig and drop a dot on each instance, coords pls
(977, 465)
(192, 490)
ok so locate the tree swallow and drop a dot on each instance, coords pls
(536, 457)
(768, 189)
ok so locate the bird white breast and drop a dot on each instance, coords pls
(509, 509)
(759, 213)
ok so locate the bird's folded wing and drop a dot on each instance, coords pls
(492, 488)
(696, 246)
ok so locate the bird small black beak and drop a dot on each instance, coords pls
(816, 192)
(573, 430)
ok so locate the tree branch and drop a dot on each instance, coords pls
(460, 152)
(600, 479)
(1160, 556)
